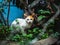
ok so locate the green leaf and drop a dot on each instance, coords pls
(22, 41)
(29, 30)
(50, 30)
(24, 35)
(43, 11)
(16, 36)
(47, 12)
(45, 35)
(0, 24)
(40, 30)
(56, 34)
(40, 17)
(40, 11)
(30, 35)
(35, 29)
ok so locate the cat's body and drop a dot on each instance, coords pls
(19, 25)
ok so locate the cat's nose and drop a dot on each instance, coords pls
(29, 22)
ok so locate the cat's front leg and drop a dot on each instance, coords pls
(22, 31)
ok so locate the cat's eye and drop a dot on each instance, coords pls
(30, 19)
(27, 19)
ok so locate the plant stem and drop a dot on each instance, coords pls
(8, 14)
(2, 18)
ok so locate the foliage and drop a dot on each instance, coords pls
(31, 33)
(44, 12)
(56, 34)
(4, 29)
(16, 37)
(1, 10)
(40, 17)
(45, 35)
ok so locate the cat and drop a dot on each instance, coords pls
(19, 25)
(22, 24)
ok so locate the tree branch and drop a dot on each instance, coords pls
(45, 25)
(51, 19)
(33, 3)
(48, 41)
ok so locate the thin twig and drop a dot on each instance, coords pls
(2, 18)
(8, 14)
(33, 3)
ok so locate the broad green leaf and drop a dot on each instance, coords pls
(43, 11)
(35, 29)
(29, 30)
(40, 17)
(30, 35)
(50, 30)
(40, 30)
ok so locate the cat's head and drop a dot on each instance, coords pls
(29, 18)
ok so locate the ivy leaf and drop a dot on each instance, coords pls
(35, 29)
(40, 17)
(29, 30)
(43, 12)
(40, 30)
(24, 35)
(47, 12)
(50, 30)
(45, 35)
(16, 36)
(56, 34)
(0, 24)
(40, 11)
(2, 31)
(22, 41)
(30, 35)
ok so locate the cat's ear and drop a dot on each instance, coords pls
(34, 15)
(25, 15)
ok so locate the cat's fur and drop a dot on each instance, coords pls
(22, 24)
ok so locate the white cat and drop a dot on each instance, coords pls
(22, 24)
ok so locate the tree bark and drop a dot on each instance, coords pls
(47, 41)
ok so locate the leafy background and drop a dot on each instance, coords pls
(43, 15)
